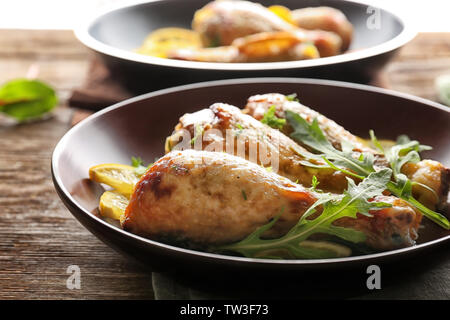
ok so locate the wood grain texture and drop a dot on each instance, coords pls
(40, 238)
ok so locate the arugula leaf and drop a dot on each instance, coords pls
(402, 152)
(139, 166)
(362, 166)
(272, 120)
(354, 200)
(25, 99)
(312, 136)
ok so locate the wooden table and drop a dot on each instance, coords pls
(39, 237)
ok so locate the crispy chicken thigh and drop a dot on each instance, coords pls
(431, 173)
(200, 198)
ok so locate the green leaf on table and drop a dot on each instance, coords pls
(443, 88)
(25, 99)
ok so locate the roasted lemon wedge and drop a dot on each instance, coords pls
(161, 41)
(283, 12)
(120, 177)
(113, 204)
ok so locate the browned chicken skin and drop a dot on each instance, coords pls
(242, 31)
(325, 18)
(240, 134)
(221, 22)
(431, 173)
(210, 198)
(266, 47)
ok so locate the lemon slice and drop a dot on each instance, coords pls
(120, 177)
(336, 250)
(161, 41)
(112, 205)
(283, 12)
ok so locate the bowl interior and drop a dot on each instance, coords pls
(139, 126)
(126, 28)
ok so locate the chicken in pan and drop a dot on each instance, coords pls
(276, 180)
(211, 198)
(431, 176)
(242, 31)
(225, 128)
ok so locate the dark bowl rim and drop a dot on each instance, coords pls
(83, 35)
(67, 197)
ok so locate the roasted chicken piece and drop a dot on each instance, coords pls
(284, 46)
(225, 128)
(264, 47)
(324, 18)
(431, 173)
(221, 22)
(258, 105)
(200, 198)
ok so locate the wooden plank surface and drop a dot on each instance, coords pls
(40, 238)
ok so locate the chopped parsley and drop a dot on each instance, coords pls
(272, 120)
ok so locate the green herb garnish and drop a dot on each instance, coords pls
(139, 166)
(244, 195)
(292, 97)
(272, 120)
(198, 133)
(361, 166)
(314, 183)
(25, 99)
(215, 41)
(240, 129)
(354, 200)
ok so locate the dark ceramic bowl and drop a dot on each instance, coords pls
(115, 34)
(138, 127)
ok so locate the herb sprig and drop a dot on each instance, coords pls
(362, 166)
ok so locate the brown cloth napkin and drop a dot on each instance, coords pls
(99, 90)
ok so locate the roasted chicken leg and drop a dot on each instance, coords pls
(428, 172)
(225, 128)
(221, 22)
(266, 47)
(325, 18)
(200, 198)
